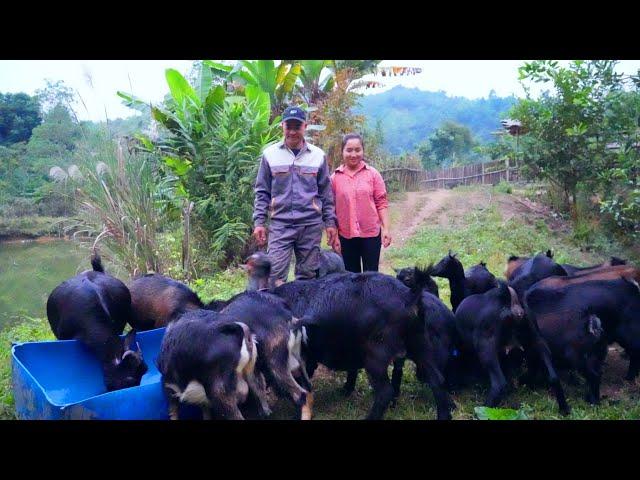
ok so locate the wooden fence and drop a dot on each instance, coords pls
(410, 179)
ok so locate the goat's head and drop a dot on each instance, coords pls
(448, 267)
(258, 265)
(126, 368)
(418, 278)
(513, 262)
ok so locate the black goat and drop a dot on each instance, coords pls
(207, 359)
(279, 341)
(368, 320)
(477, 280)
(533, 270)
(94, 308)
(158, 300)
(279, 344)
(564, 309)
(330, 262)
(514, 263)
(486, 324)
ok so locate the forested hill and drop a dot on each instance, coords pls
(410, 115)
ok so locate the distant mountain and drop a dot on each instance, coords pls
(410, 115)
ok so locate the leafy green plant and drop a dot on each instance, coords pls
(503, 187)
(488, 413)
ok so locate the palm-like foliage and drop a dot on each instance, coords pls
(213, 139)
(316, 80)
(277, 81)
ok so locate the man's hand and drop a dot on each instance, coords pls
(260, 235)
(332, 238)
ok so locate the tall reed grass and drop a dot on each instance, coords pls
(117, 206)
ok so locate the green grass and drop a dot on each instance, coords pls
(28, 330)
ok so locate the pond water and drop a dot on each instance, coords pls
(30, 270)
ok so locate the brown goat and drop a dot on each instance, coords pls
(604, 273)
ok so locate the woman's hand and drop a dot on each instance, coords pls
(386, 237)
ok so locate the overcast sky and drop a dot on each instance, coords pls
(97, 81)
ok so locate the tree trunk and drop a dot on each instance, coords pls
(186, 248)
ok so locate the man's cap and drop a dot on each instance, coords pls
(294, 113)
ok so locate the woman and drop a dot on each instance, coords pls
(361, 208)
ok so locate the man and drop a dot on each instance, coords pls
(293, 187)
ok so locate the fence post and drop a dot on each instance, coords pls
(482, 165)
(506, 163)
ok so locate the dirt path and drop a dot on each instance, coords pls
(409, 215)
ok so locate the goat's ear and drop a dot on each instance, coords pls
(513, 258)
(231, 328)
(549, 253)
(483, 264)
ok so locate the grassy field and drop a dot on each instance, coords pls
(489, 228)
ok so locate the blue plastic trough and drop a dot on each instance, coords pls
(63, 380)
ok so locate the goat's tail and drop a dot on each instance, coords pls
(96, 262)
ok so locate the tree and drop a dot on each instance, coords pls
(278, 82)
(448, 145)
(19, 115)
(316, 80)
(335, 113)
(52, 143)
(571, 125)
(54, 94)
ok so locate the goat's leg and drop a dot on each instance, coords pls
(545, 354)
(258, 388)
(532, 360)
(375, 365)
(206, 412)
(171, 393)
(428, 373)
(311, 366)
(634, 366)
(174, 407)
(488, 356)
(226, 407)
(396, 379)
(301, 377)
(511, 362)
(222, 404)
(350, 384)
(283, 381)
(593, 373)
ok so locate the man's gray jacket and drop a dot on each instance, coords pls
(295, 190)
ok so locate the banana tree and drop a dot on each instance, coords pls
(313, 86)
(277, 81)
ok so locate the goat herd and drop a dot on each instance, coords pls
(222, 356)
